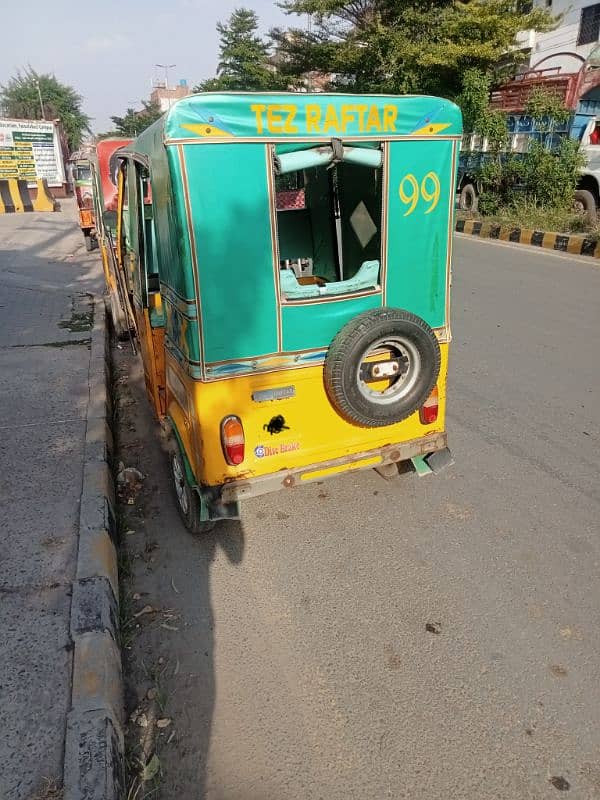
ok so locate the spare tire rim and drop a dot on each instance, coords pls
(400, 364)
(179, 480)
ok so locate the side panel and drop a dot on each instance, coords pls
(421, 198)
(231, 218)
(151, 341)
(174, 253)
(172, 234)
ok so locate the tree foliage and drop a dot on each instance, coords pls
(244, 63)
(478, 117)
(20, 99)
(545, 175)
(405, 46)
(546, 108)
(134, 122)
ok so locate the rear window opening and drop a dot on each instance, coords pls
(82, 173)
(329, 206)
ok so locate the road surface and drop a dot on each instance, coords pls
(292, 653)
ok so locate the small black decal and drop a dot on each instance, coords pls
(276, 425)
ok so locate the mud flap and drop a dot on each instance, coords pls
(434, 462)
(439, 460)
(214, 508)
(421, 466)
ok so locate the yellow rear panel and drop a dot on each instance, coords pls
(314, 431)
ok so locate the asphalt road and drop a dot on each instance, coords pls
(291, 651)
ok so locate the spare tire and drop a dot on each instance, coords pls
(585, 202)
(381, 367)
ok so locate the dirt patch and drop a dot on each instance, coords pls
(81, 315)
(51, 790)
(145, 617)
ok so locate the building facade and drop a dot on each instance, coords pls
(567, 47)
(565, 60)
(165, 95)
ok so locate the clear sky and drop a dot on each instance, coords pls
(107, 50)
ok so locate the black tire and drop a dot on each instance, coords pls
(411, 346)
(467, 199)
(89, 243)
(585, 202)
(186, 498)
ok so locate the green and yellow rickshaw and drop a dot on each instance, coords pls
(289, 263)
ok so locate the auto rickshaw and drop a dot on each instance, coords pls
(82, 184)
(104, 166)
(289, 258)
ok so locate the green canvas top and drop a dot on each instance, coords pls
(294, 116)
(222, 237)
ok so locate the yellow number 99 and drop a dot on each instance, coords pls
(433, 196)
(412, 198)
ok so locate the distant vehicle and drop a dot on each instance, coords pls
(289, 264)
(83, 187)
(103, 167)
(583, 126)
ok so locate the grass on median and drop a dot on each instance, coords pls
(539, 218)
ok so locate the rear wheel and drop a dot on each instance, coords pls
(89, 242)
(584, 203)
(188, 499)
(467, 200)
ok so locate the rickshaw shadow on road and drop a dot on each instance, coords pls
(193, 693)
(173, 571)
(228, 536)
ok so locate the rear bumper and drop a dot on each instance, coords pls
(287, 479)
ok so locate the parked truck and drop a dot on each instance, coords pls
(583, 125)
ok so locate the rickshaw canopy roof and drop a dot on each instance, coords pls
(290, 116)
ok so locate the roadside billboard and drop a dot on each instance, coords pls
(30, 149)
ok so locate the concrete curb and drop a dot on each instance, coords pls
(93, 767)
(574, 244)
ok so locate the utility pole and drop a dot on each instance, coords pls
(39, 91)
(166, 68)
(309, 31)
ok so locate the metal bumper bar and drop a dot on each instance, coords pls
(287, 479)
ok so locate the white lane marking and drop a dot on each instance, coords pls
(589, 261)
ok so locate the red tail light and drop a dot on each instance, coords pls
(233, 441)
(429, 410)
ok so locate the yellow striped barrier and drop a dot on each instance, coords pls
(15, 197)
(566, 243)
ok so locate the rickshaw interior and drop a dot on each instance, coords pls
(328, 218)
(137, 189)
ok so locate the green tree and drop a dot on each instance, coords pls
(244, 58)
(134, 122)
(20, 99)
(545, 176)
(478, 117)
(546, 108)
(404, 46)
